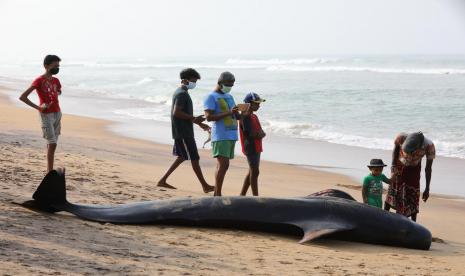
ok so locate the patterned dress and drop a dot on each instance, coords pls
(404, 192)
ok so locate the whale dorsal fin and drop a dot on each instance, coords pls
(332, 193)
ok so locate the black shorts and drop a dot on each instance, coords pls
(254, 159)
(186, 148)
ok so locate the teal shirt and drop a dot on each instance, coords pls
(226, 128)
(374, 187)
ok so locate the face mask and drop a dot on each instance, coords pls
(55, 70)
(191, 85)
(226, 89)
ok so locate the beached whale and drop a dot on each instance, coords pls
(312, 216)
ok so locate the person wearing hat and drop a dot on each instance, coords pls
(404, 193)
(251, 134)
(221, 109)
(372, 189)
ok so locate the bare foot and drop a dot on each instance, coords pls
(165, 185)
(208, 188)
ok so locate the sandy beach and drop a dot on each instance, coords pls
(105, 168)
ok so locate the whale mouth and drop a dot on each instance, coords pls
(419, 237)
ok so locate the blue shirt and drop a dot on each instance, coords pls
(226, 128)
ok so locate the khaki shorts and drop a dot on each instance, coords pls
(51, 126)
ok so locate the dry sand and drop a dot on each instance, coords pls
(103, 168)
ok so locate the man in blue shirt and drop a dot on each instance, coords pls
(221, 109)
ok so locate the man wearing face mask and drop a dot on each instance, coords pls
(404, 191)
(221, 109)
(182, 126)
(48, 88)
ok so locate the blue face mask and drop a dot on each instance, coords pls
(226, 89)
(191, 85)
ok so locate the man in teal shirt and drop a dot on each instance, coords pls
(372, 189)
(221, 109)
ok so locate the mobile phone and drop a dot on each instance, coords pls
(243, 107)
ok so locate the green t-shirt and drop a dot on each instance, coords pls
(374, 186)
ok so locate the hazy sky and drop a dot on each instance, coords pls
(123, 28)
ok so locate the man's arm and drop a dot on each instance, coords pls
(216, 117)
(261, 134)
(204, 126)
(395, 157)
(428, 171)
(247, 128)
(24, 98)
(249, 131)
(178, 113)
(257, 134)
(59, 87)
(395, 154)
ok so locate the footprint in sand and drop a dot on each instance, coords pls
(80, 179)
(285, 262)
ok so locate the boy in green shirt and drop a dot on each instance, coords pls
(372, 189)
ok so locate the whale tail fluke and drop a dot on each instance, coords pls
(50, 193)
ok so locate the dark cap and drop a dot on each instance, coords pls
(253, 98)
(413, 142)
(376, 163)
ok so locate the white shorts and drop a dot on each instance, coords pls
(51, 126)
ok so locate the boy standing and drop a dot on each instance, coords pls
(182, 126)
(221, 109)
(251, 134)
(48, 88)
(373, 184)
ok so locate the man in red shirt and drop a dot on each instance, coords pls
(48, 88)
(251, 134)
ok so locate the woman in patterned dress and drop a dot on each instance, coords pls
(404, 192)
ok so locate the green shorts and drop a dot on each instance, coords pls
(223, 148)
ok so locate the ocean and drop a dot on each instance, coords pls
(355, 101)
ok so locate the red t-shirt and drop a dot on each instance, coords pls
(250, 145)
(48, 90)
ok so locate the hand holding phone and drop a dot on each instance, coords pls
(243, 107)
